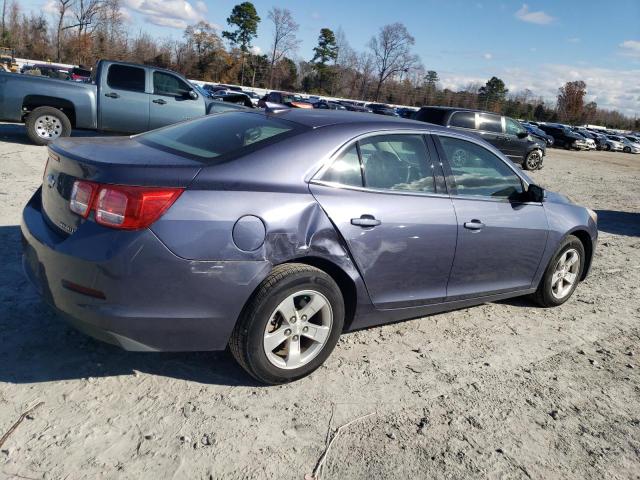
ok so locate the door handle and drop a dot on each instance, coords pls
(159, 101)
(112, 95)
(502, 138)
(365, 221)
(474, 224)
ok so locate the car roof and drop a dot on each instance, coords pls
(323, 118)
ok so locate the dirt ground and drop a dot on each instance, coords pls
(503, 390)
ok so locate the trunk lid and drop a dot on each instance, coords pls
(111, 160)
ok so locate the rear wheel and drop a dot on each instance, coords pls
(533, 160)
(290, 326)
(562, 274)
(45, 124)
(607, 147)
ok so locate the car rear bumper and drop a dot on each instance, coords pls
(128, 289)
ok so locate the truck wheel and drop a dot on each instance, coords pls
(45, 124)
(290, 325)
(533, 160)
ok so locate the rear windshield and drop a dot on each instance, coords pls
(217, 137)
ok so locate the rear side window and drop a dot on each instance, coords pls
(463, 119)
(220, 135)
(346, 169)
(490, 123)
(124, 77)
(478, 172)
(396, 162)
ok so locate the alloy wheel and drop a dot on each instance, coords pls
(566, 273)
(298, 329)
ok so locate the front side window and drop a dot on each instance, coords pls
(463, 120)
(124, 77)
(478, 172)
(489, 123)
(346, 169)
(167, 84)
(396, 162)
(213, 136)
(513, 127)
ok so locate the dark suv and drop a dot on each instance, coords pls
(564, 137)
(504, 133)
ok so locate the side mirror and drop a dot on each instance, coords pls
(192, 95)
(523, 134)
(536, 193)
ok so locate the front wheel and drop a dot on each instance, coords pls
(607, 148)
(533, 160)
(45, 124)
(626, 149)
(290, 326)
(562, 274)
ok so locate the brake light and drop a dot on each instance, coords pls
(123, 207)
(81, 197)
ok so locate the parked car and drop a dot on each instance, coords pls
(406, 112)
(219, 87)
(45, 70)
(627, 146)
(381, 109)
(274, 233)
(283, 100)
(534, 131)
(504, 133)
(613, 144)
(599, 139)
(125, 97)
(231, 96)
(253, 96)
(78, 74)
(328, 105)
(591, 143)
(354, 107)
(564, 137)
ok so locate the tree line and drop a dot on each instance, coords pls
(83, 31)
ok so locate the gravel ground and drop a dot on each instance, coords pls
(503, 390)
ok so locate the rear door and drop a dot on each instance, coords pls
(515, 146)
(170, 101)
(490, 129)
(124, 103)
(399, 226)
(501, 237)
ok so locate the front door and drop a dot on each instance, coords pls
(123, 103)
(401, 231)
(501, 237)
(490, 129)
(171, 101)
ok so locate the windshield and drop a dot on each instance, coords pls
(220, 136)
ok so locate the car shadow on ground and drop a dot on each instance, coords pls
(17, 133)
(37, 346)
(619, 223)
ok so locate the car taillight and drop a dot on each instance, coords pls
(81, 197)
(124, 207)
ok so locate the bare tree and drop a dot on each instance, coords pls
(284, 37)
(62, 6)
(4, 12)
(392, 55)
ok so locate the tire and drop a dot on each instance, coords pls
(607, 148)
(262, 318)
(45, 124)
(533, 160)
(548, 294)
(626, 149)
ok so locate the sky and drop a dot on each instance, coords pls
(537, 45)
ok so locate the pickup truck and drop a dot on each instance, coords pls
(123, 97)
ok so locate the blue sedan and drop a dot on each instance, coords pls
(273, 232)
